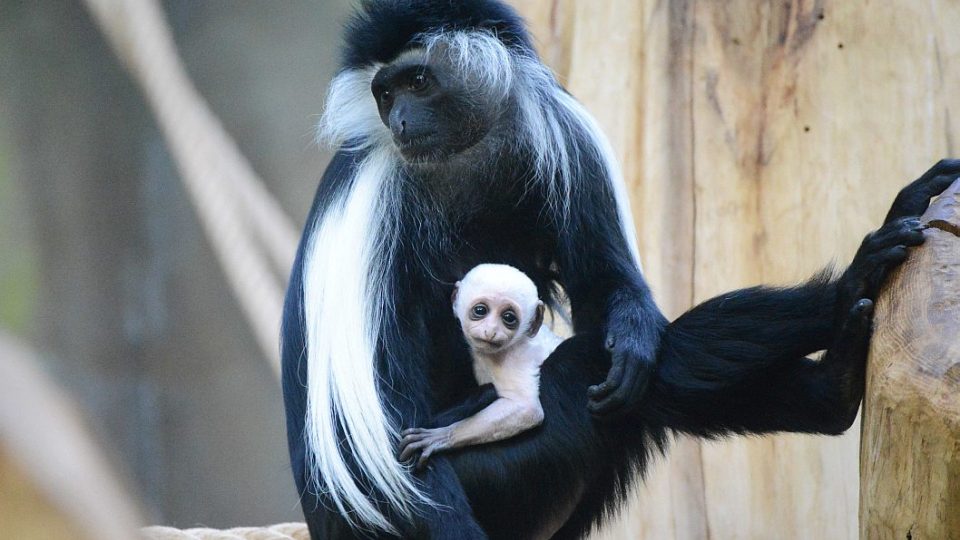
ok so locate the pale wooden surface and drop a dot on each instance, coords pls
(910, 452)
(760, 141)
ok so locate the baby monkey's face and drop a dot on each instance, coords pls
(493, 323)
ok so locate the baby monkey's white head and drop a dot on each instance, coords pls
(498, 307)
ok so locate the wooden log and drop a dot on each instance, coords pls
(910, 446)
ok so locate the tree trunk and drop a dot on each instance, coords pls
(910, 447)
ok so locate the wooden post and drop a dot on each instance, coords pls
(910, 446)
(754, 153)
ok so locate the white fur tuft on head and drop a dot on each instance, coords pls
(482, 61)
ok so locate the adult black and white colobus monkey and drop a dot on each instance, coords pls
(458, 147)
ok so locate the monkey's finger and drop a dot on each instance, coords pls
(425, 456)
(609, 386)
(614, 377)
(943, 167)
(912, 238)
(640, 385)
(411, 449)
(895, 255)
(939, 184)
(899, 231)
(412, 431)
(405, 452)
(914, 199)
(903, 230)
(618, 398)
(412, 438)
(611, 404)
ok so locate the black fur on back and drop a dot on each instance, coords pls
(382, 29)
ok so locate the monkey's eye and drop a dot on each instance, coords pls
(479, 311)
(419, 82)
(381, 93)
(509, 318)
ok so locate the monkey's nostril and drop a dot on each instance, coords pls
(403, 126)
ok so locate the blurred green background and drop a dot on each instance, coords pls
(104, 269)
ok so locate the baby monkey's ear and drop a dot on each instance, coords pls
(537, 321)
(453, 296)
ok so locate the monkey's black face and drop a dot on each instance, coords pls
(431, 116)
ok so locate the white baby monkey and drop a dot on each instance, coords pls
(502, 321)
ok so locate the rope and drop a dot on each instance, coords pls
(49, 442)
(283, 531)
(234, 207)
(42, 435)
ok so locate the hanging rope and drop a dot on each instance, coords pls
(44, 438)
(245, 225)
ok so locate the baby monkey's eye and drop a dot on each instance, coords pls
(479, 311)
(510, 319)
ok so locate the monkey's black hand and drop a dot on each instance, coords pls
(632, 345)
(881, 251)
(914, 199)
(423, 442)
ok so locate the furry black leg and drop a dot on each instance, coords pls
(736, 363)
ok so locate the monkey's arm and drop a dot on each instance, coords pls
(483, 396)
(500, 420)
(609, 295)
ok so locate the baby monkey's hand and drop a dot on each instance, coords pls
(424, 442)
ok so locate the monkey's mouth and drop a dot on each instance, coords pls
(424, 148)
(489, 345)
(430, 148)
